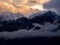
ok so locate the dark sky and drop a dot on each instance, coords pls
(55, 4)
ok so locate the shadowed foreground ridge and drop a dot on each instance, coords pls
(30, 41)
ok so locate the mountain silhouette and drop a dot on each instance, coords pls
(27, 24)
(46, 17)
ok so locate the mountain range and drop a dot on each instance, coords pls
(13, 22)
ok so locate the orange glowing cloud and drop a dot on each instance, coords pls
(36, 4)
(44, 1)
(24, 6)
(40, 4)
(7, 7)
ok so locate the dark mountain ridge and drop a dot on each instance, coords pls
(27, 24)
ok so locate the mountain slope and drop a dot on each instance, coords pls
(46, 17)
(47, 20)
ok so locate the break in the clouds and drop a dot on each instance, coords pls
(53, 5)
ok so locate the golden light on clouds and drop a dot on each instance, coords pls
(25, 10)
(44, 1)
(22, 6)
(11, 1)
(7, 7)
(40, 4)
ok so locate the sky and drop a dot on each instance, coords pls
(30, 6)
(53, 5)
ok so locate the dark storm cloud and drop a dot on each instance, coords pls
(53, 4)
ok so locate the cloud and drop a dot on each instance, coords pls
(44, 32)
(24, 10)
(37, 4)
(25, 34)
(53, 5)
